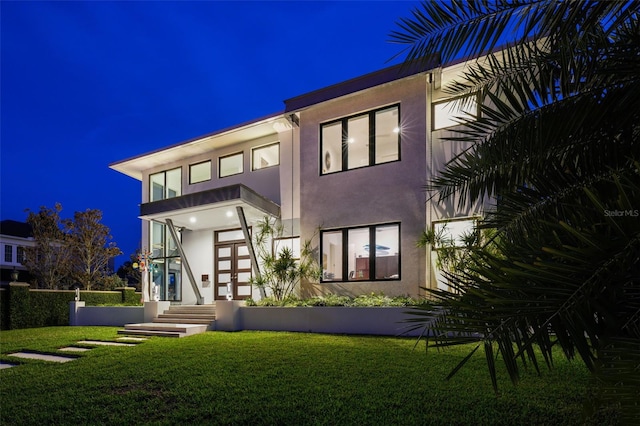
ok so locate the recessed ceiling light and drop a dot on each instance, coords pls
(192, 219)
(229, 213)
(396, 130)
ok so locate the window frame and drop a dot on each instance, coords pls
(293, 239)
(452, 100)
(223, 157)
(191, 181)
(8, 253)
(372, 257)
(457, 244)
(344, 128)
(165, 187)
(257, 148)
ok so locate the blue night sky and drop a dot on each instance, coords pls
(84, 84)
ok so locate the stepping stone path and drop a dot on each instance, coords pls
(43, 357)
(63, 358)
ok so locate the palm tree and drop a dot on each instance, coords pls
(557, 152)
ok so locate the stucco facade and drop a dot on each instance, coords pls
(371, 211)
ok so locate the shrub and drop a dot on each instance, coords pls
(365, 300)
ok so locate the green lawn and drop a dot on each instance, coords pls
(273, 378)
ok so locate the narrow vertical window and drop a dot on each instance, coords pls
(8, 253)
(387, 135)
(331, 152)
(332, 256)
(358, 142)
(358, 259)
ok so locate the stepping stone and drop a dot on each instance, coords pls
(101, 343)
(132, 339)
(4, 365)
(74, 349)
(42, 357)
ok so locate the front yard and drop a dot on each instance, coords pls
(274, 378)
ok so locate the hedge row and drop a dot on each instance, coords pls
(25, 308)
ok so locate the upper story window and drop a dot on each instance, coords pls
(231, 164)
(451, 112)
(200, 172)
(361, 140)
(20, 255)
(265, 156)
(167, 184)
(368, 253)
(8, 253)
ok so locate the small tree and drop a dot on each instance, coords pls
(48, 260)
(89, 242)
(280, 270)
(130, 272)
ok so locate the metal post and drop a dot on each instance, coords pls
(185, 262)
(249, 243)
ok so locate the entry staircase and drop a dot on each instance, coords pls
(177, 321)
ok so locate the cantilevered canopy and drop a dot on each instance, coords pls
(212, 209)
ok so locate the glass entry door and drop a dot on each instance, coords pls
(233, 266)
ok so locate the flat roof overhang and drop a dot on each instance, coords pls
(266, 126)
(211, 209)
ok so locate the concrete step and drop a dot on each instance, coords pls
(177, 321)
(181, 315)
(172, 319)
(192, 309)
(151, 333)
(163, 329)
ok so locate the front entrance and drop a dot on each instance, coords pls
(233, 266)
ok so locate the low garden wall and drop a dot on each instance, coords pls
(391, 321)
(116, 316)
(23, 307)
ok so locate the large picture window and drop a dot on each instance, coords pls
(361, 140)
(367, 253)
(167, 184)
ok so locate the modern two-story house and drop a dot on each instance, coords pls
(344, 167)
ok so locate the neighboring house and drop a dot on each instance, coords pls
(14, 237)
(344, 166)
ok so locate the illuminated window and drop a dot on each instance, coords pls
(231, 165)
(200, 172)
(265, 156)
(452, 112)
(455, 232)
(361, 140)
(167, 184)
(368, 253)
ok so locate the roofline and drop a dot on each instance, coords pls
(376, 78)
(197, 138)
